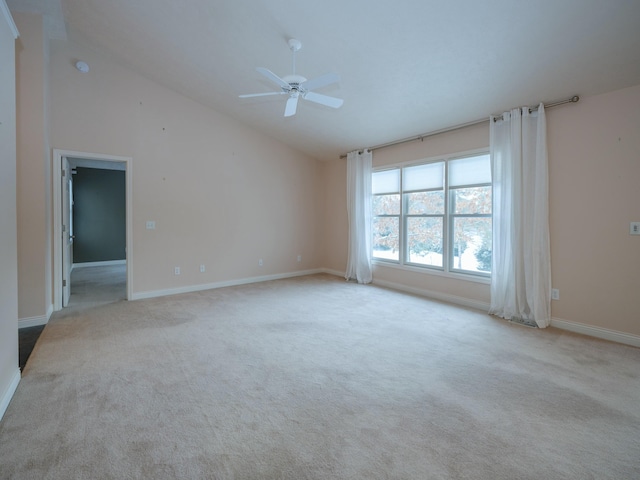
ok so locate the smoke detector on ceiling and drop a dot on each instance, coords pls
(82, 66)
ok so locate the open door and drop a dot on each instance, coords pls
(62, 185)
(67, 230)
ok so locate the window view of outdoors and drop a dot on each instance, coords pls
(472, 232)
(470, 211)
(386, 214)
(423, 187)
(413, 225)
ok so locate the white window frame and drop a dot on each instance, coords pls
(447, 269)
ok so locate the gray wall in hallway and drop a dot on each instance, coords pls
(99, 215)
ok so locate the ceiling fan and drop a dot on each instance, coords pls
(296, 86)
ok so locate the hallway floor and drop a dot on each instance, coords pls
(90, 286)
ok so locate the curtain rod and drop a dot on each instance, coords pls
(573, 99)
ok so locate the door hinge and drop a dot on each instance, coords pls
(64, 283)
(64, 172)
(64, 228)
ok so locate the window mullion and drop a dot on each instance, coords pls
(447, 250)
(403, 223)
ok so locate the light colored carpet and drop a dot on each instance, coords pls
(316, 378)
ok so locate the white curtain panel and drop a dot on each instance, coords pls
(359, 215)
(521, 262)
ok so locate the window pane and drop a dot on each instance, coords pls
(386, 205)
(425, 203)
(469, 171)
(424, 240)
(387, 181)
(471, 200)
(423, 177)
(472, 244)
(386, 238)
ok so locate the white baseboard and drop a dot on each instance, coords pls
(598, 332)
(227, 283)
(463, 302)
(333, 272)
(106, 263)
(7, 395)
(443, 297)
(590, 330)
(36, 321)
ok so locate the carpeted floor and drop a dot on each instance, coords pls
(316, 378)
(89, 287)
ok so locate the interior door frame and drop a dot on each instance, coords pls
(57, 192)
(67, 238)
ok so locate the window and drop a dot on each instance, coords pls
(435, 215)
(386, 214)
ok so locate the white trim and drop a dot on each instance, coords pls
(36, 321)
(598, 332)
(32, 321)
(443, 297)
(227, 283)
(57, 216)
(106, 263)
(465, 277)
(333, 272)
(589, 330)
(8, 393)
(12, 25)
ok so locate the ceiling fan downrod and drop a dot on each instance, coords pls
(294, 46)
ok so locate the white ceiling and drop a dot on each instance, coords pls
(407, 67)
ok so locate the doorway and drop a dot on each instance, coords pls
(64, 163)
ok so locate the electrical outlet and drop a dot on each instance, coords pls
(299, 258)
(634, 228)
(555, 294)
(151, 224)
(260, 263)
(202, 269)
(176, 271)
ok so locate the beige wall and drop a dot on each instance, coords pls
(333, 178)
(9, 372)
(594, 170)
(224, 195)
(221, 194)
(32, 168)
(594, 162)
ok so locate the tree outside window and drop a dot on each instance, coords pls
(435, 215)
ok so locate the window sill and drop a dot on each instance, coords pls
(428, 271)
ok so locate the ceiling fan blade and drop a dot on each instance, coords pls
(274, 78)
(292, 105)
(332, 102)
(320, 81)
(250, 95)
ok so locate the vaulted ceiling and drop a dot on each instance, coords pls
(407, 67)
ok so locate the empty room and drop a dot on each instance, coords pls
(335, 240)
